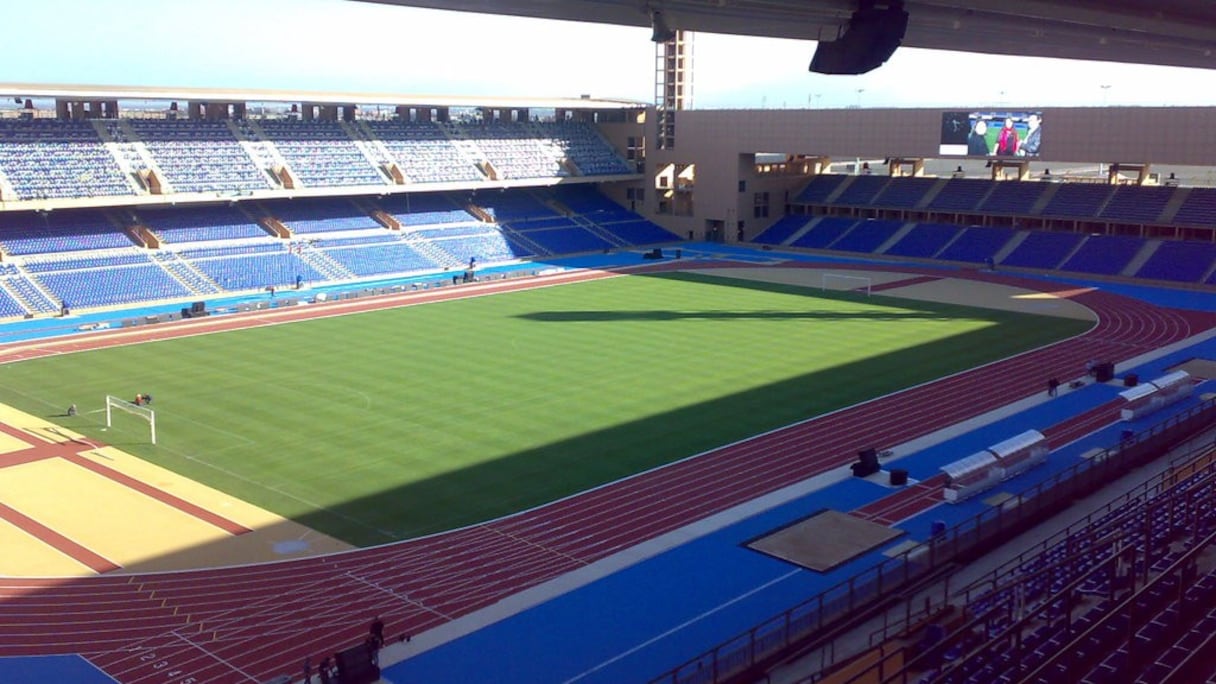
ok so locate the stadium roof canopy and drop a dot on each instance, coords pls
(1168, 32)
(119, 92)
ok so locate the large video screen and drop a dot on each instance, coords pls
(991, 133)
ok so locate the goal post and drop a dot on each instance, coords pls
(125, 406)
(847, 283)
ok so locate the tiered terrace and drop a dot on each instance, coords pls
(47, 158)
(200, 156)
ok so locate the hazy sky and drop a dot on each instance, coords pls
(353, 46)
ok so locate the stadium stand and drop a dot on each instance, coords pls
(782, 230)
(591, 207)
(1137, 204)
(514, 150)
(250, 266)
(113, 285)
(48, 158)
(961, 194)
(424, 152)
(825, 233)
(584, 146)
(862, 191)
(1043, 250)
(1183, 262)
(1198, 209)
(925, 240)
(820, 188)
(376, 255)
(1012, 198)
(309, 216)
(200, 156)
(484, 242)
(321, 153)
(1078, 200)
(426, 209)
(1104, 254)
(1065, 612)
(58, 231)
(904, 193)
(977, 244)
(867, 236)
(201, 224)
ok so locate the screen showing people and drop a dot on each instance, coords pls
(993, 133)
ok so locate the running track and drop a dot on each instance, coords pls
(246, 624)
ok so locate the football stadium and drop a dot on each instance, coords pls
(318, 386)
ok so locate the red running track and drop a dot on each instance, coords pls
(247, 624)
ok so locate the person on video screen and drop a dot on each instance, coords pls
(1007, 141)
(977, 142)
(1030, 144)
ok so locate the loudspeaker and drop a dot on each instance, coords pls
(1104, 372)
(355, 666)
(1131, 380)
(198, 307)
(899, 477)
(187, 312)
(863, 469)
(870, 39)
(868, 458)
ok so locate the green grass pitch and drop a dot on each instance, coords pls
(391, 424)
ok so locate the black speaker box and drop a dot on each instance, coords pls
(868, 458)
(870, 39)
(1104, 372)
(355, 666)
(863, 469)
(899, 477)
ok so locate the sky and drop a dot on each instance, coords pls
(352, 46)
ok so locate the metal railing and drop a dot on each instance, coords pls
(752, 651)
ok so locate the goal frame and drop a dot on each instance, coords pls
(862, 280)
(125, 406)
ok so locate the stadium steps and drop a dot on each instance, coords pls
(378, 158)
(1045, 198)
(532, 245)
(802, 231)
(264, 155)
(34, 296)
(1145, 253)
(323, 263)
(1171, 207)
(899, 235)
(253, 131)
(7, 191)
(16, 296)
(856, 224)
(831, 198)
(932, 193)
(120, 139)
(1209, 273)
(1013, 243)
(949, 242)
(599, 231)
(185, 273)
(1070, 254)
(431, 250)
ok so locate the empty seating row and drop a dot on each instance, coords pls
(200, 156)
(47, 159)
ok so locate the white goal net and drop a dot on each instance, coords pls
(114, 403)
(846, 283)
